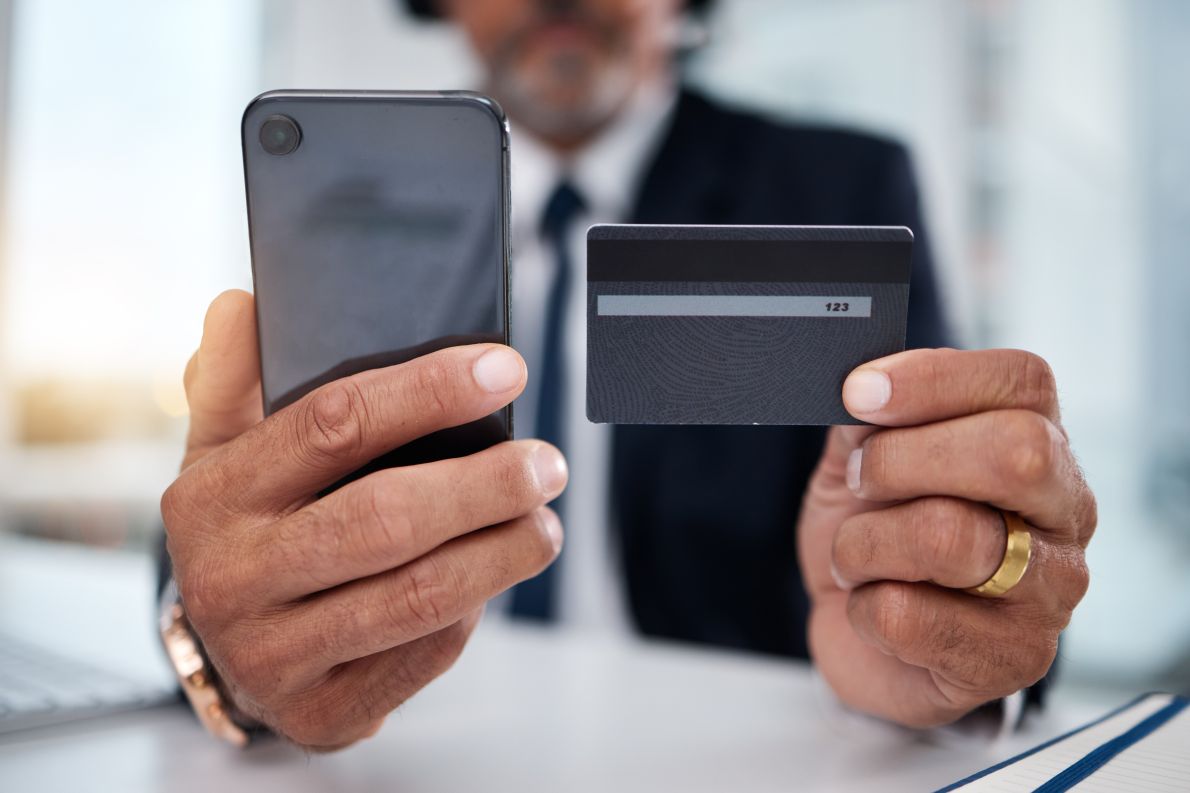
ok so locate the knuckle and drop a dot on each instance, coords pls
(448, 646)
(309, 723)
(515, 481)
(1036, 382)
(304, 541)
(1081, 576)
(206, 594)
(527, 549)
(196, 503)
(432, 590)
(1039, 663)
(542, 544)
(254, 665)
(171, 503)
(943, 534)
(963, 658)
(1027, 449)
(433, 391)
(385, 509)
(343, 626)
(853, 548)
(333, 423)
(1088, 514)
(1075, 581)
(1030, 662)
(976, 658)
(893, 618)
(370, 705)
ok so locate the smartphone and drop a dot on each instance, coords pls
(379, 227)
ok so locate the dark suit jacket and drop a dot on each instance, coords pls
(706, 515)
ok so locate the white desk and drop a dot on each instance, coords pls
(523, 710)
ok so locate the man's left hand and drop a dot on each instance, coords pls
(902, 517)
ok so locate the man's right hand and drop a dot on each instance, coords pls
(321, 616)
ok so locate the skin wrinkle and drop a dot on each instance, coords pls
(300, 645)
(1018, 640)
(942, 542)
(936, 538)
(389, 513)
(1029, 459)
(1041, 388)
(933, 466)
(307, 538)
(332, 429)
(926, 628)
(268, 657)
(433, 393)
(965, 539)
(1010, 661)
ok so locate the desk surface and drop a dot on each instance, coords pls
(527, 710)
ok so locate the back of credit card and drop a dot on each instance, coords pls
(739, 324)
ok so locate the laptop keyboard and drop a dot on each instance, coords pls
(39, 688)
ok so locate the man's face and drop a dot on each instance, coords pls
(564, 68)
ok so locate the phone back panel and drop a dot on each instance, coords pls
(383, 236)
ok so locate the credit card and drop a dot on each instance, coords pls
(739, 324)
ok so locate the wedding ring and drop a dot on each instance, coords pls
(1018, 550)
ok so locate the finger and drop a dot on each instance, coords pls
(888, 687)
(222, 378)
(354, 701)
(970, 644)
(922, 386)
(387, 610)
(946, 541)
(841, 441)
(1013, 459)
(343, 425)
(394, 516)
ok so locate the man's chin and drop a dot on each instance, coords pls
(569, 117)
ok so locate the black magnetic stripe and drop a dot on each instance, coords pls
(749, 260)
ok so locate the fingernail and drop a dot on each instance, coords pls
(854, 464)
(840, 581)
(553, 527)
(498, 370)
(550, 467)
(866, 391)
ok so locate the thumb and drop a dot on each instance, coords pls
(223, 377)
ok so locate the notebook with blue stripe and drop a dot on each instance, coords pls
(1143, 747)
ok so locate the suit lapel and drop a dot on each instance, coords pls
(686, 183)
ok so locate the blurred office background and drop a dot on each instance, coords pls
(1052, 138)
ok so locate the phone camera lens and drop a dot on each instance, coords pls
(280, 135)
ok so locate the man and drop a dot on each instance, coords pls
(855, 546)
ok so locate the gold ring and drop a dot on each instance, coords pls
(1018, 550)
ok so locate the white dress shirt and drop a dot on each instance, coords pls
(607, 174)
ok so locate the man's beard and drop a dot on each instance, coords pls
(595, 88)
(574, 121)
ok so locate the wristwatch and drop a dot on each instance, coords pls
(194, 671)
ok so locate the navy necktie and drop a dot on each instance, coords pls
(535, 598)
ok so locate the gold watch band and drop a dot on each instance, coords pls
(194, 671)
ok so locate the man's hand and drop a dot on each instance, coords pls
(323, 615)
(900, 518)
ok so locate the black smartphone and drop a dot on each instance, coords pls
(379, 231)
